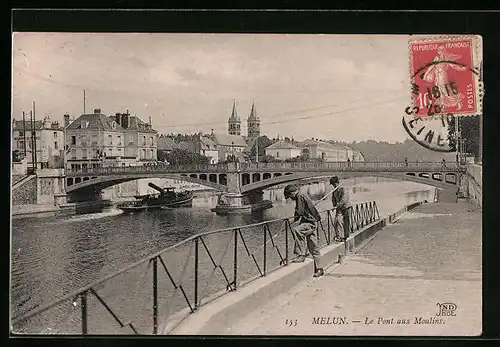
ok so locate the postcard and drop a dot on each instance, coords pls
(246, 184)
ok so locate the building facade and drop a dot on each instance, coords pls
(209, 149)
(140, 140)
(48, 140)
(316, 149)
(282, 150)
(96, 139)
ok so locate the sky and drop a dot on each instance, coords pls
(339, 87)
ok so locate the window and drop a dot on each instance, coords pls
(151, 140)
(73, 140)
(56, 146)
(151, 153)
(144, 140)
(119, 138)
(110, 139)
(84, 153)
(55, 134)
(73, 153)
(143, 153)
(21, 133)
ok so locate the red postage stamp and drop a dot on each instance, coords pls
(446, 75)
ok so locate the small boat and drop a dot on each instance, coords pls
(166, 199)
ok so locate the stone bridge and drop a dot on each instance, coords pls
(243, 183)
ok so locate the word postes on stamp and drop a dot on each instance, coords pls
(446, 75)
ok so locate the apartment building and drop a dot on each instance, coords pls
(99, 140)
(48, 141)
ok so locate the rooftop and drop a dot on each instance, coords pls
(281, 144)
(230, 140)
(95, 121)
(166, 143)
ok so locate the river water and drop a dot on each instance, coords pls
(54, 256)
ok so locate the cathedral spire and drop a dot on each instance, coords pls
(253, 113)
(253, 123)
(234, 114)
(234, 122)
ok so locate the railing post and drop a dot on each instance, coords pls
(328, 214)
(265, 249)
(83, 310)
(286, 242)
(196, 241)
(155, 295)
(235, 259)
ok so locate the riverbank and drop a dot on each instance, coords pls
(32, 210)
(46, 210)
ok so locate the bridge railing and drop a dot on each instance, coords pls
(280, 167)
(103, 170)
(146, 296)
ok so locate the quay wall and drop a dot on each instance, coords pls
(25, 194)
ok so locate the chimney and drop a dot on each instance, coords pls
(66, 120)
(46, 122)
(125, 120)
(118, 118)
(97, 110)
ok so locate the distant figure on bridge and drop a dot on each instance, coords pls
(444, 162)
(340, 202)
(406, 161)
(306, 215)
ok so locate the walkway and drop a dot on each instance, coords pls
(392, 286)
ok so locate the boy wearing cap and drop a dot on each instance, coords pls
(340, 202)
(307, 215)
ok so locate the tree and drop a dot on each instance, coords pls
(268, 159)
(184, 157)
(469, 131)
(264, 142)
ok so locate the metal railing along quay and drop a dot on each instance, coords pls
(272, 167)
(182, 277)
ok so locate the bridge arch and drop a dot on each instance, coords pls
(103, 182)
(255, 177)
(418, 177)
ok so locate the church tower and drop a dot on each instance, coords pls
(253, 124)
(234, 122)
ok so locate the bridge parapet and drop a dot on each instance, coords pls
(274, 167)
(354, 167)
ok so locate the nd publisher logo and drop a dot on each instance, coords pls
(446, 309)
